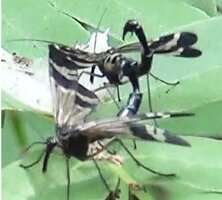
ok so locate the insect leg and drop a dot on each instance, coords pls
(90, 74)
(101, 176)
(149, 93)
(68, 178)
(51, 144)
(118, 93)
(150, 99)
(91, 79)
(109, 151)
(106, 85)
(163, 81)
(114, 195)
(139, 163)
(132, 196)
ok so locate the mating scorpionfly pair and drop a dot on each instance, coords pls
(72, 102)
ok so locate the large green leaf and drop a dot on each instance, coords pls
(207, 6)
(188, 163)
(46, 22)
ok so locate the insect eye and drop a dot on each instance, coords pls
(110, 51)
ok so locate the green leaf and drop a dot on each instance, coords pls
(188, 163)
(207, 6)
(219, 7)
(47, 23)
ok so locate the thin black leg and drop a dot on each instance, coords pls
(118, 93)
(134, 144)
(91, 79)
(112, 152)
(33, 163)
(149, 93)
(109, 85)
(131, 196)
(114, 195)
(117, 185)
(165, 82)
(139, 163)
(101, 176)
(90, 74)
(68, 178)
(150, 99)
(105, 85)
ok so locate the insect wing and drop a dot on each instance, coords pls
(171, 43)
(132, 128)
(72, 101)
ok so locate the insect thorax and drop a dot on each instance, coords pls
(73, 143)
(111, 67)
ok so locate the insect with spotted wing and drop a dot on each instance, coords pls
(76, 137)
(115, 66)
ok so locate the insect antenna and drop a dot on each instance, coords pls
(83, 24)
(97, 28)
(34, 40)
(38, 159)
(91, 79)
(33, 144)
(92, 73)
(33, 163)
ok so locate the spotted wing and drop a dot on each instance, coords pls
(132, 128)
(72, 102)
(177, 44)
(77, 58)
